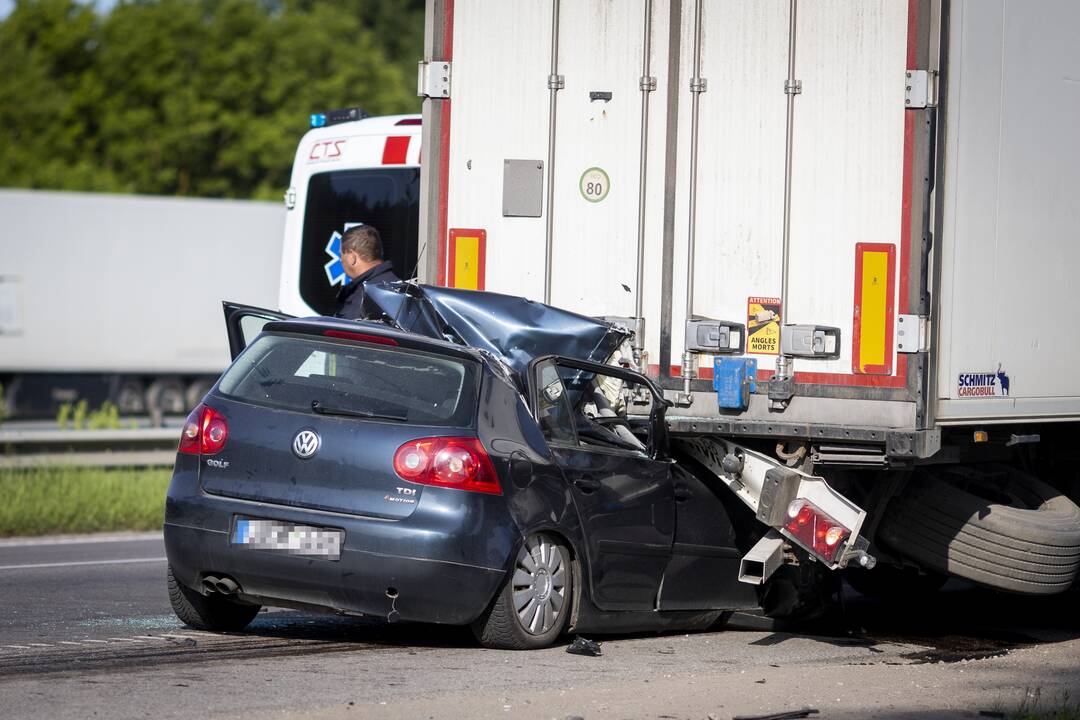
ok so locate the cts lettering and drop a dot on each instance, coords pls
(326, 150)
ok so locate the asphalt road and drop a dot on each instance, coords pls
(86, 630)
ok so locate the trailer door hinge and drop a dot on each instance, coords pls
(920, 89)
(433, 79)
(912, 333)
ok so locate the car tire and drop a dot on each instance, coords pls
(992, 525)
(541, 580)
(208, 612)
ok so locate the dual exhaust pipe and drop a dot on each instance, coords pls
(220, 585)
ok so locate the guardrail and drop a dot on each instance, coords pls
(150, 447)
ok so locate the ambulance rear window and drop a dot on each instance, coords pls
(385, 198)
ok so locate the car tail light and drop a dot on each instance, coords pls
(205, 432)
(453, 462)
(815, 529)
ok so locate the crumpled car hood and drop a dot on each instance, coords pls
(513, 328)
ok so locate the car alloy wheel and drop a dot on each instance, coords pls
(540, 585)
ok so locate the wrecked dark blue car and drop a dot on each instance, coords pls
(463, 457)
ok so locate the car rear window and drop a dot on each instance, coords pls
(291, 372)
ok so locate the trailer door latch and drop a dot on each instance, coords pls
(920, 89)
(912, 333)
(433, 79)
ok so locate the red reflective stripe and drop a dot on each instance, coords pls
(395, 150)
(444, 148)
(408, 121)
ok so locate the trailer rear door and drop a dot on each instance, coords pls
(1010, 249)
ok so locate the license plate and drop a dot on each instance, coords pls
(300, 540)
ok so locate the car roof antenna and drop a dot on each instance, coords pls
(412, 275)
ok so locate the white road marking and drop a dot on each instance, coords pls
(79, 539)
(68, 642)
(39, 644)
(125, 639)
(81, 563)
(17, 647)
(103, 642)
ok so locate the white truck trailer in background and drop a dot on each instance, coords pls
(846, 234)
(113, 297)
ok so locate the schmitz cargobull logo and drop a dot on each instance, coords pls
(994, 384)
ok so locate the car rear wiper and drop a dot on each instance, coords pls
(317, 406)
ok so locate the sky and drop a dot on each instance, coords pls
(6, 6)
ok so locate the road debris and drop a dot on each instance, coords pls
(788, 715)
(584, 646)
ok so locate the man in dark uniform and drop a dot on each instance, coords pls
(362, 257)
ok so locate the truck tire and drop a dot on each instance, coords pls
(195, 392)
(165, 396)
(992, 525)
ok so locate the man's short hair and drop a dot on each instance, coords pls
(363, 240)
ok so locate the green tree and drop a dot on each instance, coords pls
(189, 97)
(46, 129)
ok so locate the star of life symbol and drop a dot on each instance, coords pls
(335, 270)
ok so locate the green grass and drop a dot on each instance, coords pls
(46, 500)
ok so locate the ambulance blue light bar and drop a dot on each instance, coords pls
(333, 117)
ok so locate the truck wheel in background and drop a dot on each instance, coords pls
(195, 392)
(992, 524)
(165, 396)
(130, 397)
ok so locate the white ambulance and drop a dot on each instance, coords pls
(349, 169)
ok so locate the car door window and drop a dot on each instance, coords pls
(553, 414)
(600, 407)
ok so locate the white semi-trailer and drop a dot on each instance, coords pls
(845, 233)
(118, 297)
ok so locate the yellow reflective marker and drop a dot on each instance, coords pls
(872, 324)
(468, 249)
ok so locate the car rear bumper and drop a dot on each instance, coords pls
(406, 570)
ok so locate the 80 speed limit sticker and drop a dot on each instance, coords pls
(594, 184)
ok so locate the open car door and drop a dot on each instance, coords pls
(244, 323)
(617, 472)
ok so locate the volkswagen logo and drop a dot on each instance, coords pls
(306, 443)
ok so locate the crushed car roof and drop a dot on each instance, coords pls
(515, 329)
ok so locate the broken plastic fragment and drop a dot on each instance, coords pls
(584, 646)
(789, 715)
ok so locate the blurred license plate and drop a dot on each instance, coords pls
(301, 540)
